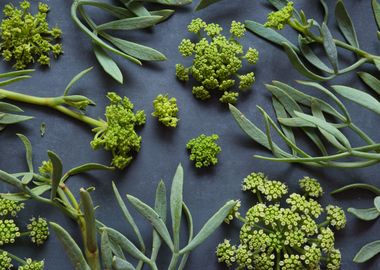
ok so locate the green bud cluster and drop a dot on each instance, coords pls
(216, 61)
(284, 233)
(9, 231)
(280, 18)
(39, 230)
(27, 38)
(8, 207)
(5, 261)
(166, 110)
(118, 134)
(46, 168)
(32, 265)
(204, 150)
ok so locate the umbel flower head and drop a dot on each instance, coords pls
(166, 109)
(204, 150)
(32, 265)
(5, 261)
(39, 230)
(217, 61)
(283, 233)
(9, 207)
(278, 19)
(27, 38)
(8, 231)
(118, 134)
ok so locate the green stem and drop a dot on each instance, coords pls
(14, 257)
(174, 261)
(52, 102)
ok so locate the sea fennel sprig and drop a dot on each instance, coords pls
(371, 249)
(311, 34)
(116, 134)
(323, 123)
(280, 233)
(127, 15)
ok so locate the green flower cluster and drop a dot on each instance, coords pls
(46, 168)
(32, 265)
(284, 234)
(5, 261)
(217, 61)
(204, 150)
(39, 230)
(26, 38)
(118, 134)
(280, 18)
(166, 110)
(9, 231)
(8, 207)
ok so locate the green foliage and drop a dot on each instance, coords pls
(166, 110)
(323, 123)
(118, 135)
(280, 233)
(27, 38)
(216, 60)
(204, 150)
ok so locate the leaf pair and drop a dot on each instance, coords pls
(369, 250)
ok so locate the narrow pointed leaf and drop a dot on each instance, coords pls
(371, 81)
(9, 108)
(121, 264)
(211, 225)
(345, 24)
(107, 63)
(16, 73)
(164, 13)
(171, 2)
(359, 97)
(160, 206)
(8, 119)
(268, 34)
(11, 180)
(12, 80)
(376, 12)
(308, 53)
(205, 3)
(21, 196)
(136, 7)
(153, 218)
(376, 202)
(88, 167)
(325, 11)
(364, 214)
(176, 205)
(130, 23)
(56, 174)
(89, 218)
(128, 217)
(190, 225)
(75, 79)
(368, 187)
(72, 249)
(330, 48)
(116, 11)
(106, 250)
(367, 252)
(29, 159)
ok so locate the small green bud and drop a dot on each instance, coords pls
(39, 230)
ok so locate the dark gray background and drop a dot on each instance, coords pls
(163, 148)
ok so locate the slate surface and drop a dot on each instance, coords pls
(163, 148)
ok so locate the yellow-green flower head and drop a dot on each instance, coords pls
(291, 262)
(334, 259)
(8, 231)
(273, 190)
(306, 206)
(46, 168)
(234, 212)
(200, 92)
(327, 239)
(39, 230)
(252, 56)
(229, 97)
(253, 181)
(336, 217)
(5, 261)
(246, 80)
(196, 26)
(311, 187)
(186, 47)
(204, 150)
(181, 72)
(226, 253)
(32, 265)
(27, 38)
(280, 18)
(237, 29)
(312, 256)
(244, 257)
(118, 134)
(295, 238)
(213, 29)
(166, 110)
(263, 261)
(9, 207)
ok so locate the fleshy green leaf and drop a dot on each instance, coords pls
(29, 160)
(160, 206)
(368, 187)
(190, 226)
(21, 196)
(171, 2)
(75, 79)
(376, 12)
(19, 78)
(136, 50)
(325, 11)
(345, 24)
(176, 205)
(268, 34)
(106, 250)
(88, 167)
(278, 4)
(11, 180)
(107, 63)
(371, 81)
(205, 3)
(330, 48)
(151, 215)
(130, 23)
(16, 73)
(56, 174)
(211, 225)
(359, 97)
(367, 252)
(9, 108)
(121, 264)
(72, 249)
(164, 13)
(376, 202)
(116, 11)
(364, 214)
(308, 53)
(8, 119)
(89, 218)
